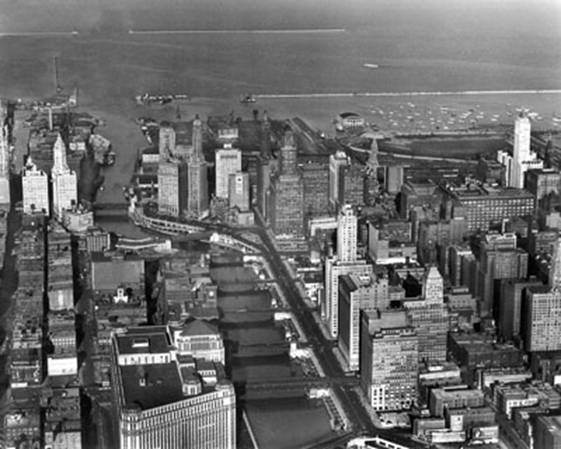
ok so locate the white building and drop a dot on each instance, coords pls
(228, 161)
(65, 183)
(35, 188)
(522, 159)
(347, 234)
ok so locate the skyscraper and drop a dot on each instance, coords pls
(65, 185)
(4, 162)
(197, 189)
(166, 140)
(347, 234)
(287, 194)
(522, 158)
(388, 360)
(227, 161)
(430, 318)
(238, 191)
(337, 162)
(35, 189)
(356, 293)
(172, 187)
(543, 310)
(163, 401)
(345, 262)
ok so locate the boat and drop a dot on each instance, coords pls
(248, 98)
(371, 66)
(160, 99)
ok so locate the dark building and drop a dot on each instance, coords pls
(287, 193)
(315, 175)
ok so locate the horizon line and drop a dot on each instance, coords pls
(412, 94)
(243, 31)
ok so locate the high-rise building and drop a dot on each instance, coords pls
(65, 184)
(286, 211)
(227, 162)
(4, 160)
(483, 204)
(238, 191)
(430, 318)
(35, 189)
(172, 187)
(197, 189)
(356, 293)
(315, 174)
(523, 157)
(500, 259)
(166, 140)
(543, 310)
(388, 360)
(337, 163)
(333, 270)
(542, 182)
(347, 234)
(547, 432)
(162, 400)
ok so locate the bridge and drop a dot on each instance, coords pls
(298, 383)
(181, 229)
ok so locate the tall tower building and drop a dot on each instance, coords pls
(172, 187)
(430, 318)
(227, 162)
(287, 194)
(356, 293)
(166, 140)
(4, 162)
(337, 164)
(555, 267)
(35, 188)
(522, 158)
(238, 191)
(197, 189)
(388, 360)
(371, 179)
(65, 185)
(347, 235)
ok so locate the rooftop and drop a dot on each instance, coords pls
(144, 340)
(149, 386)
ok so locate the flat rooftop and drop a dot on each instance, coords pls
(150, 386)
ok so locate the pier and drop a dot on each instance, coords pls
(410, 94)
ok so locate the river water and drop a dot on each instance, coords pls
(247, 324)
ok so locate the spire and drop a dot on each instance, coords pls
(59, 156)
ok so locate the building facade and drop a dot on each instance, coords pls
(65, 183)
(388, 360)
(228, 161)
(160, 401)
(35, 189)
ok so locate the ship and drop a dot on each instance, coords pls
(160, 99)
(371, 66)
(248, 98)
